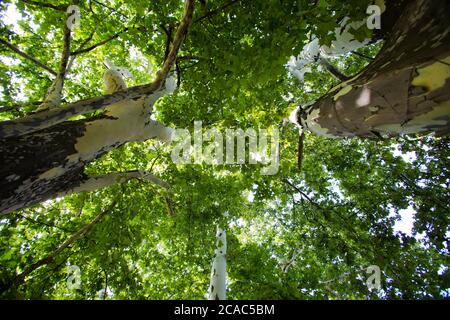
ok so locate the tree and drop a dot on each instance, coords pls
(289, 235)
(365, 106)
(217, 287)
(64, 148)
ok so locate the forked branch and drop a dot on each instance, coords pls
(48, 118)
(28, 57)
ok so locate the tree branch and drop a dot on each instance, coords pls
(356, 53)
(45, 5)
(85, 42)
(186, 58)
(333, 70)
(105, 292)
(106, 180)
(178, 40)
(53, 98)
(45, 119)
(114, 36)
(112, 10)
(216, 11)
(26, 56)
(301, 142)
(318, 206)
(41, 223)
(52, 255)
(168, 33)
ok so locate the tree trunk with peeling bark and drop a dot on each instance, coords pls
(48, 163)
(406, 89)
(43, 155)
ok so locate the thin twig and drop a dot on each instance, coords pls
(333, 70)
(45, 5)
(301, 140)
(26, 56)
(216, 11)
(362, 55)
(82, 232)
(114, 36)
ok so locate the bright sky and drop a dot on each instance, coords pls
(407, 215)
(406, 223)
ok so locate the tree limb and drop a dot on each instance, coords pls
(178, 40)
(53, 98)
(315, 204)
(109, 179)
(60, 8)
(105, 291)
(168, 33)
(216, 11)
(82, 232)
(301, 141)
(112, 10)
(362, 55)
(42, 223)
(114, 36)
(47, 118)
(333, 70)
(26, 56)
(85, 42)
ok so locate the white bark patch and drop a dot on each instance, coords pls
(218, 286)
(364, 98)
(12, 177)
(107, 132)
(52, 173)
(312, 125)
(344, 43)
(158, 130)
(128, 121)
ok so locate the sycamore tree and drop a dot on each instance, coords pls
(94, 207)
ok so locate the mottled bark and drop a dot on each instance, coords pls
(406, 89)
(43, 155)
(42, 165)
(23, 161)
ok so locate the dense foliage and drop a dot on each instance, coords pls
(328, 221)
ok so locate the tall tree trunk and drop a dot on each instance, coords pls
(406, 89)
(48, 163)
(43, 155)
(218, 286)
